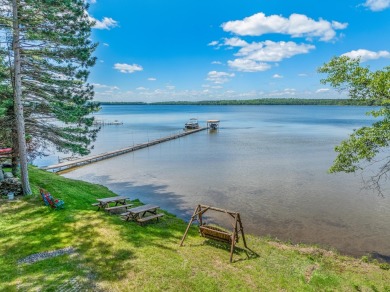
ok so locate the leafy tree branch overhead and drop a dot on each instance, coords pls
(367, 145)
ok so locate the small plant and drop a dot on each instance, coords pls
(365, 259)
(384, 266)
(311, 257)
(374, 288)
(357, 287)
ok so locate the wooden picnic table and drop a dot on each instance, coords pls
(138, 213)
(104, 203)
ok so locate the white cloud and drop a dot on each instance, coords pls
(322, 90)
(287, 92)
(213, 43)
(106, 45)
(170, 87)
(152, 79)
(98, 86)
(126, 68)
(106, 23)
(302, 75)
(256, 56)
(141, 88)
(247, 65)
(235, 42)
(297, 25)
(216, 63)
(253, 56)
(366, 55)
(377, 5)
(277, 76)
(219, 77)
(339, 25)
(269, 51)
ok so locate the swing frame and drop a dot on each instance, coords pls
(215, 233)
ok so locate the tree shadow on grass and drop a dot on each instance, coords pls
(148, 194)
(166, 232)
(50, 274)
(44, 230)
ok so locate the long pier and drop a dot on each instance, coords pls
(106, 155)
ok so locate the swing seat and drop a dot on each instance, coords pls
(216, 233)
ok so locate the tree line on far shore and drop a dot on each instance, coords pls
(261, 101)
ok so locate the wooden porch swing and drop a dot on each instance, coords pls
(216, 233)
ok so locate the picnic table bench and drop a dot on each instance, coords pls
(104, 203)
(118, 207)
(138, 213)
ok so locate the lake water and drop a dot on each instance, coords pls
(267, 162)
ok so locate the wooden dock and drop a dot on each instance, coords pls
(103, 123)
(94, 158)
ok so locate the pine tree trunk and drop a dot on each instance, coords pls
(15, 147)
(18, 105)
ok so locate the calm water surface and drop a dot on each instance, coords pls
(267, 162)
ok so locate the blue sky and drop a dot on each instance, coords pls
(153, 50)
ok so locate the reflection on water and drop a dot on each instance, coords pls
(267, 162)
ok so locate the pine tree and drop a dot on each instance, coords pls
(51, 54)
(8, 135)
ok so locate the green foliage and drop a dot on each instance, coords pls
(365, 259)
(366, 143)
(363, 144)
(384, 266)
(345, 74)
(6, 103)
(56, 53)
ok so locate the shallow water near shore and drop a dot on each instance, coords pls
(267, 162)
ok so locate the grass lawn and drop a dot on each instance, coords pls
(113, 255)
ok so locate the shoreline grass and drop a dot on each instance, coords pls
(113, 255)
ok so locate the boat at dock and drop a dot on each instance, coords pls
(213, 124)
(191, 124)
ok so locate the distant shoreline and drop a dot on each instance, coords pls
(265, 101)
